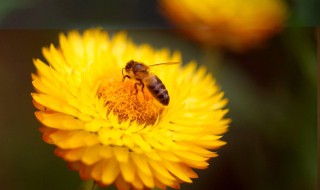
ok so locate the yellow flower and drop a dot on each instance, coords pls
(234, 24)
(110, 130)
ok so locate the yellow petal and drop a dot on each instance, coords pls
(127, 141)
(128, 170)
(211, 144)
(106, 152)
(73, 139)
(188, 155)
(141, 163)
(197, 149)
(159, 184)
(160, 169)
(91, 155)
(137, 183)
(160, 179)
(146, 179)
(96, 172)
(196, 164)
(139, 141)
(59, 121)
(75, 154)
(110, 170)
(42, 68)
(167, 155)
(121, 153)
(55, 104)
(121, 184)
(155, 143)
(178, 170)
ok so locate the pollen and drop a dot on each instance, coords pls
(129, 101)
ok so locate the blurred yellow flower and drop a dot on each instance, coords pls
(233, 24)
(113, 134)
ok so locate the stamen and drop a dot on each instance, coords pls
(122, 98)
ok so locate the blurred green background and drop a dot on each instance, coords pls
(272, 92)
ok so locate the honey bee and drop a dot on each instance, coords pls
(141, 73)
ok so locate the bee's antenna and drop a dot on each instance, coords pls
(165, 63)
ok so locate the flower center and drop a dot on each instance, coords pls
(127, 100)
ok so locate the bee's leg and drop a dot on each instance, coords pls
(142, 87)
(138, 83)
(125, 76)
(136, 87)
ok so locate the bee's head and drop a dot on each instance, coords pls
(129, 66)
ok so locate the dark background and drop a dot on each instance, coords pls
(272, 94)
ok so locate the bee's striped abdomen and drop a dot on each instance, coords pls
(157, 89)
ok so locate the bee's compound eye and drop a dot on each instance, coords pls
(129, 65)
